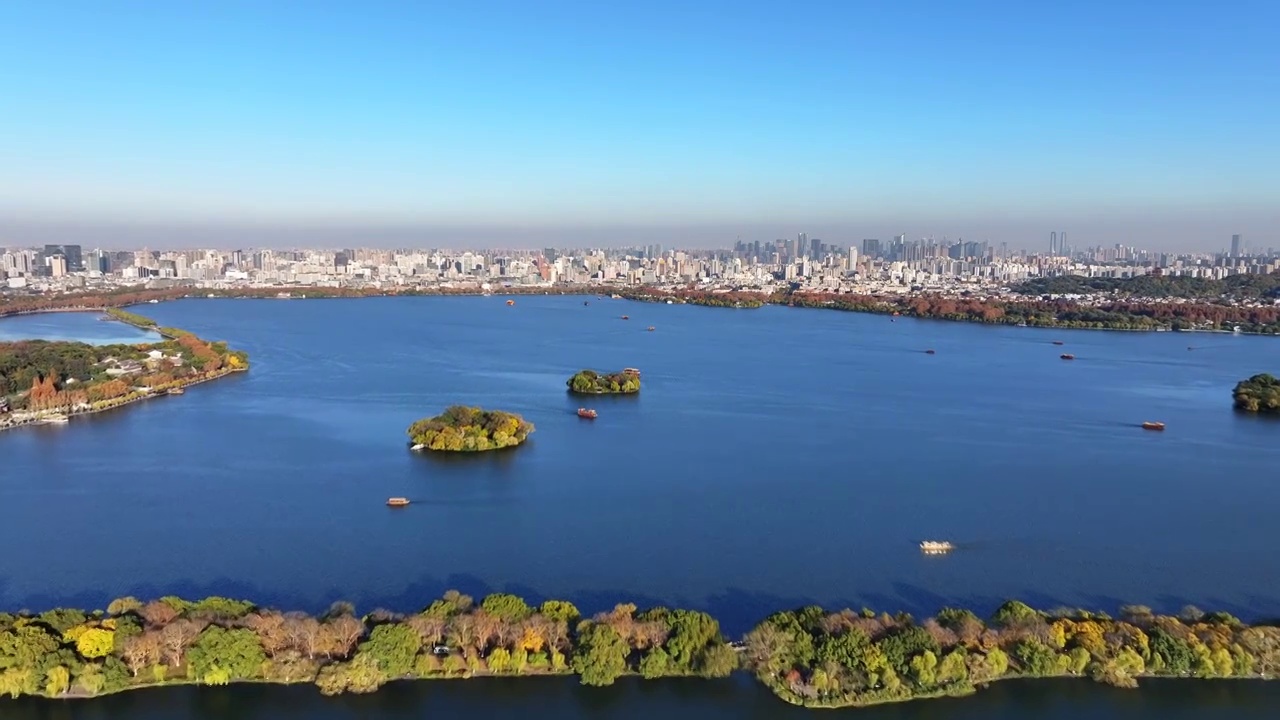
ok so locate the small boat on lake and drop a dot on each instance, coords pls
(936, 547)
(175, 391)
(585, 303)
(1067, 356)
(651, 328)
(511, 302)
(930, 352)
(587, 413)
(1152, 425)
(397, 502)
(1057, 342)
(626, 317)
(631, 371)
(56, 420)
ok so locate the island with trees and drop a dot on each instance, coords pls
(1258, 394)
(809, 656)
(469, 429)
(590, 382)
(44, 379)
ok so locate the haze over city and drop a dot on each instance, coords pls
(511, 124)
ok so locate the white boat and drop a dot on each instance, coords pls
(419, 446)
(56, 420)
(936, 547)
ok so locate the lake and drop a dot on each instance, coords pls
(83, 326)
(775, 457)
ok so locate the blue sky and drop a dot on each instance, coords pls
(1154, 124)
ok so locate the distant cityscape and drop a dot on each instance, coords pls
(895, 265)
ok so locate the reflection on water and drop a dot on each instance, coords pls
(635, 699)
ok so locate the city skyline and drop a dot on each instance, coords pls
(568, 123)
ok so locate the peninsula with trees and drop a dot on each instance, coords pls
(469, 429)
(809, 656)
(590, 382)
(43, 380)
(1258, 394)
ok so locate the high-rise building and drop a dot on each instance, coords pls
(871, 247)
(1237, 246)
(1053, 243)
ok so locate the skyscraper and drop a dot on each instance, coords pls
(1237, 246)
(1053, 243)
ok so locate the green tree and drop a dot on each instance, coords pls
(1013, 613)
(601, 655)
(394, 647)
(656, 664)
(1174, 652)
(924, 669)
(57, 680)
(1035, 658)
(900, 646)
(952, 668)
(221, 655)
(499, 660)
(559, 610)
(507, 607)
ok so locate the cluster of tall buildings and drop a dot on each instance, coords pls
(809, 261)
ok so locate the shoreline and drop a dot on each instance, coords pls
(114, 314)
(731, 299)
(221, 641)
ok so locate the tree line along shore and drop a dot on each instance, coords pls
(809, 656)
(1246, 302)
(43, 379)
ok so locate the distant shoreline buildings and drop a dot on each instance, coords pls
(872, 265)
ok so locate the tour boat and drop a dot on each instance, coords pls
(929, 352)
(175, 391)
(616, 297)
(650, 328)
(626, 317)
(397, 501)
(1057, 342)
(670, 302)
(1151, 425)
(511, 302)
(56, 420)
(631, 371)
(587, 413)
(935, 547)
(1067, 356)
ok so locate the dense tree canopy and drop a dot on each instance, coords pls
(809, 656)
(470, 429)
(1260, 394)
(819, 658)
(590, 382)
(1243, 286)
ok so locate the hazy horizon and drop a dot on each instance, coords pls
(1018, 235)
(508, 124)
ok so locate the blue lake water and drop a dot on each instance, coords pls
(774, 457)
(83, 326)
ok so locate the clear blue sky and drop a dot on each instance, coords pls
(1153, 123)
